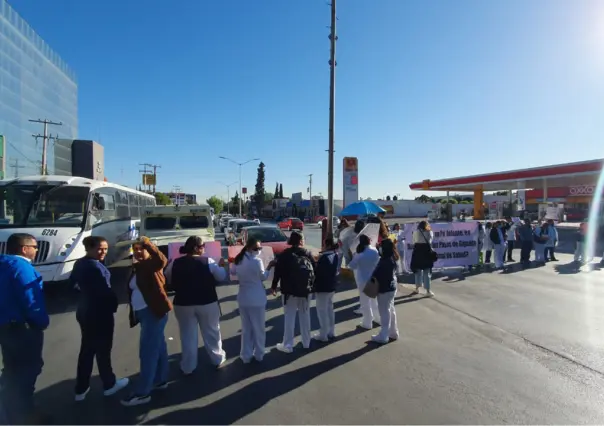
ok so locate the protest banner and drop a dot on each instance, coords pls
(266, 255)
(213, 250)
(455, 243)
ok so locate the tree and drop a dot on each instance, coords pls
(387, 197)
(268, 197)
(162, 199)
(260, 191)
(281, 190)
(216, 203)
(423, 199)
(235, 200)
(395, 198)
(276, 190)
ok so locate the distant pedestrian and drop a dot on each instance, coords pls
(497, 240)
(194, 278)
(580, 246)
(325, 287)
(251, 298)
(385, 274)
(511, 230)
(525, 237)
(149, 307)
(552, 241)
(488, 244)
(540, 237)
(23, 319)
(400, 247)
(422, 260)
(95, 315)
(294, 271)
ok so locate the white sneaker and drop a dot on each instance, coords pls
(430, 293)
(377, 339)
(282, 348)
(320, 338)
(119, 385)
(82, 396)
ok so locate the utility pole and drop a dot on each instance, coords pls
(310, 193)
(45, 140)
(332, 105)
(176, 192)
(147, 169)
(16, 167)
(239, 164)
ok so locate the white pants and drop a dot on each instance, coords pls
(253, 332)
(326, 314)
(499, 253)
(539, 252)
(579, 252)
(207, 318)
(369, 308)
(291, 306)
(385, 303)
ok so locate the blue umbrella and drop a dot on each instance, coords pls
(362, 208)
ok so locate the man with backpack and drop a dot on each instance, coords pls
(295, 269)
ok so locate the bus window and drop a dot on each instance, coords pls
(159, 223)
(194, 222)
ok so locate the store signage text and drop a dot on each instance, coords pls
(581, 190)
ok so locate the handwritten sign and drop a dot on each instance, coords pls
(372, 230)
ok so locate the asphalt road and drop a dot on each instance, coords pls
(491, 348)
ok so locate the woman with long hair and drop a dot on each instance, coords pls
(149, 307)
(193, 278)
(252, 300)
(325, 287)
(385, 275)
(363, 264)
(422, 261)
(95, 315)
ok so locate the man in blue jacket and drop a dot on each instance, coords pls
(23, 319)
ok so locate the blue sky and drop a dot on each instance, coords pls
(425, 89)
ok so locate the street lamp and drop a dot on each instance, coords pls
(239, 164)
(228, 187)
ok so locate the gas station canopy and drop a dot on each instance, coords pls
(570, 174)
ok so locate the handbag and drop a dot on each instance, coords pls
(372, 288)
(433, 254)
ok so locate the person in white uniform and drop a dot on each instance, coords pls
(252, 300)
(363, 264)
(498, 243)
(193, 278)
(294, 270)
(400, 247)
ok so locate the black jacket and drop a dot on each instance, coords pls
(384, 273)
(326, 272)
(284, 268)
(193, 282)
(494, 236)
(421, 257)
(97, 298)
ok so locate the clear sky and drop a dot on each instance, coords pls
(425, 89)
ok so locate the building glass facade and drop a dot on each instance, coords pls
(35, 83)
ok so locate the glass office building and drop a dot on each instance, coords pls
(35, 83)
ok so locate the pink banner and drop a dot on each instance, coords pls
(266, 255)
(213, 250)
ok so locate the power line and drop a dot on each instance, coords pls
(15, 165)
(147, 169)
(45, 138)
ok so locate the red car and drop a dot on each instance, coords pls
(268, 236)
(291, 223)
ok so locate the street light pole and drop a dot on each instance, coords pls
(228, 187)
(239, 164)
(332, 99)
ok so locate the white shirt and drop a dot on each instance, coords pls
(217, 271)
(137, 300)
(422, 237)
(363, 264)
(250, 273)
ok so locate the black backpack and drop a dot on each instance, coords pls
(302, 276)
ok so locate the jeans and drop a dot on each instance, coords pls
(97, 341)
(549, 253)
(525, 251)
(153, 351)
(510, 248)
(22, 364)
(423, 276)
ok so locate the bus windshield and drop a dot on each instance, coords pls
(23, 206)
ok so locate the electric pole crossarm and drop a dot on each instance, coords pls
(46, 138)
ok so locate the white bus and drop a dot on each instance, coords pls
(60, 211)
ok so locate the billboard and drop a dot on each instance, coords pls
(351, 180)
(149, 179)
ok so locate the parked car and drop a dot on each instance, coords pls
(229, 227)
(268, 236)
(224, 220)
(291, 223)
(234, 236)
(335, 221)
